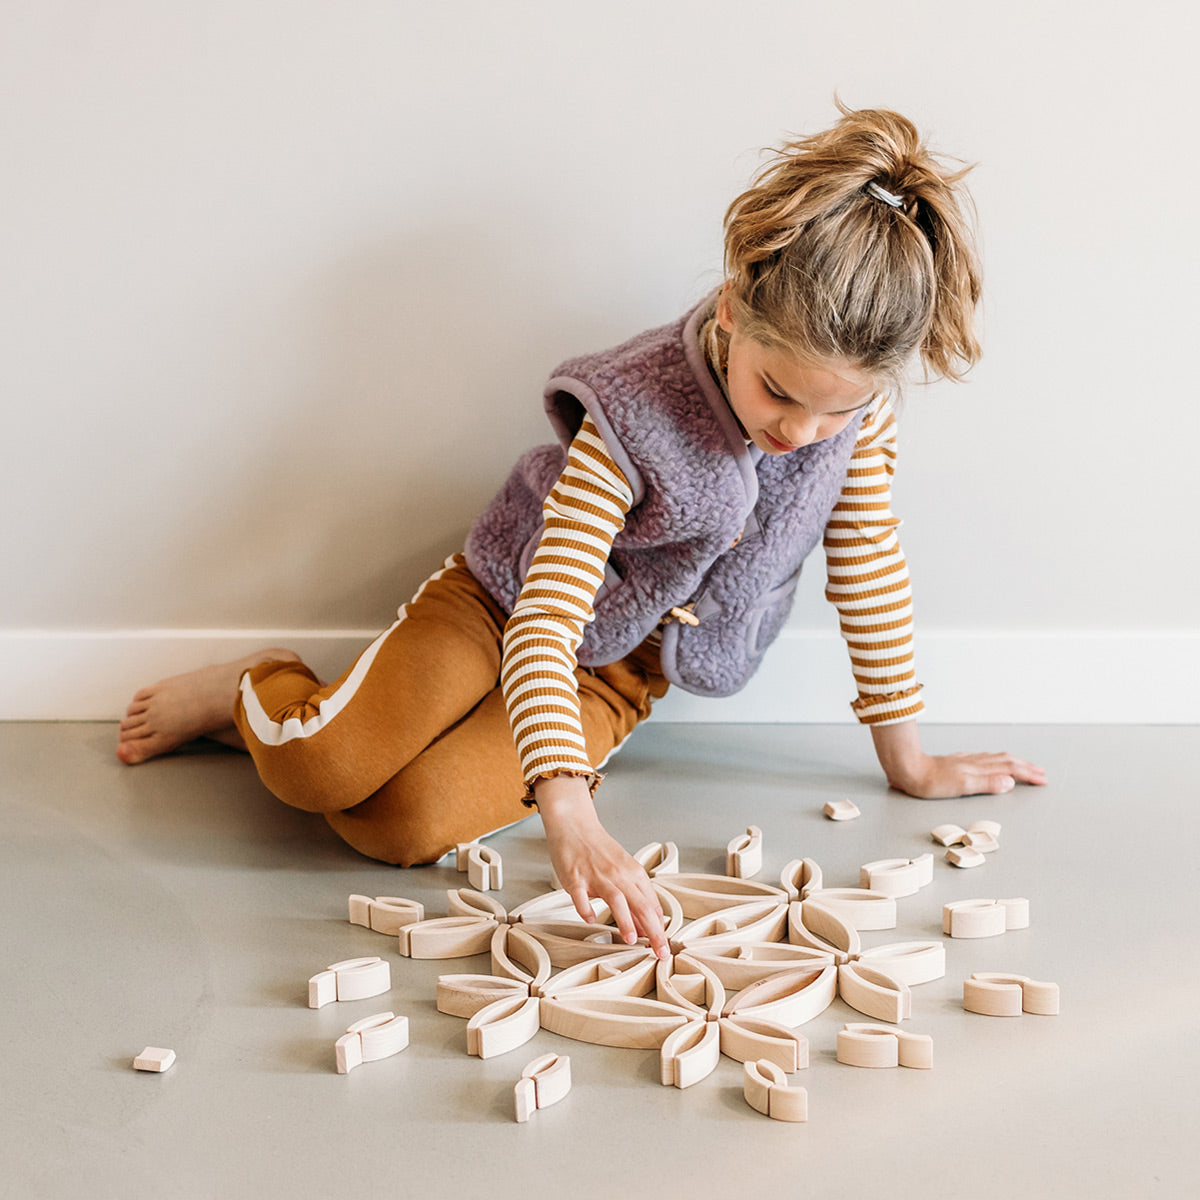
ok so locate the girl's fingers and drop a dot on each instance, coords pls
(621, 914)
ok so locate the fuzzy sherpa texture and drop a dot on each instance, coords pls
(696, 489)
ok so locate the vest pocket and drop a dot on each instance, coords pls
(768, 616)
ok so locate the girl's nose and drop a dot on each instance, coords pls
(798, 429)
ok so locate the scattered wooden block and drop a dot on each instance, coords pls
(743, 855)
(874, 993)
(690, 1053)
(385, 914)
(984, 918)
(659, 858)
(948, 835)
(154, 1058)
(447, 937)
(502, 1026)
(876, 1046)
(485, 869)
(897, 877)
(841, 810)
(767, 1091)
(983, 842)
(964, 856)
(550, 1080)
(353, 979)
(369, 1040)
(997, 995)
(991, 828)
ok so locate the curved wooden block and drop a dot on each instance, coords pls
(1016, 913)
(690, 1053)
(745, 1038)
(874, 993)
(767, 1091)
(551, 1075)
(672, 910)
(690, 985)
(965, 857)
(621, 1021)
(387, 914)
(503, 1026)
(556, 906)
(743, 855)
(991, 828)
(759, 921)
(699, 895)
(485, 869)
(738, 965)
(630, 973)
(807, 917)
(322, 989)
(517, 955)
(857, 908)
(358, 978)
(800, 878)
(571, 942)
(983, 842)
(467, 902)
(447, 937)
(862, 1045)
(973, 918)
(947, 835)
(911, 963)
(790, 998)
(525, 1098)
(1000, 995)
(369, 1040)
(465, 995)
(462, 855)
(659, 858)
(841, 810)
(360, 910)
(892, 876)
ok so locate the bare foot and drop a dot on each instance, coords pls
(184, 707)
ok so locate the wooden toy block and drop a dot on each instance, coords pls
(745, 1038)
(743, 855)
(924, 865)
(893, 877)
(360, 910)
(322, 989)
(875, 1046)
(154, 1058)
(465, 995)
(911, 963)
(984, 918)
(571, 942)
(983, 842)
(516, 955)
(467, 902)
(761, 921)
(841, 810)
(622, 1021)
(790, 998)
(767, 1091)
(690, 1054)
(358, 978)
(388, 914)
(856, 908)
(803, 915)
(874, 993)
(525, 1098)
(671, 908)
(629, 973)
(948, 835)
(503, 1026)
(447, 937)
(462, 855)
(997, 995)
(659, 858)
(556, 906)
(370, 1040)
(485, 869)
(551, 1075)
(800, 878)
(965, 857)
(738, 965)
(699, 895)
(991, 828)
(690, 985)
(1016, 913)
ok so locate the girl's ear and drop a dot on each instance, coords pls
(724, 310)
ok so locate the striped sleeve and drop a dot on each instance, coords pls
(868, 578)
(583, 513)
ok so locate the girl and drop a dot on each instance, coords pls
(658, 541)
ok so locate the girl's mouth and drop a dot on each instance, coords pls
(776, 444)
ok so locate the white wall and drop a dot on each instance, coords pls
(282, 279)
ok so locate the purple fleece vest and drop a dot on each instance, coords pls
(697, 490)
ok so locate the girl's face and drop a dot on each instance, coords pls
(783, 402)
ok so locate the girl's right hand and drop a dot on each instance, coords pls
(589, 862)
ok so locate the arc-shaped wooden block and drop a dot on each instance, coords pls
(948, 835)
(503, 1026)
(875, 1046)
(998, 995)
(622, 1021)
(699, 895)
(556, 906)
(984, 918)
(760, 921)
(964, 857)
(745, 1038)
(767, 1091)
(897, 876)
(690, 1053)
(789, 998)
(630, 973)
(659, 858)
(800, 878)
(857, 908)
(385, 914)
(671, 908)
(743, 855)
(544, 1081)
(571, 942)
(352, 979)
(738, 965)
(485, 869)
(447, 937)
(819, 929)
(465, 995)
(874, 993)
(369, 1040)
(911, 963)
(841, 810)
(517, 955)
(467, 902)
(991, 828)
(983, 842)
(690, 985)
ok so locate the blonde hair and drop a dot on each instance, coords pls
(818, 263)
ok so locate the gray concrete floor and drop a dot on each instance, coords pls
(178, 904)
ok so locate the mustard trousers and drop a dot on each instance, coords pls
(410, 752)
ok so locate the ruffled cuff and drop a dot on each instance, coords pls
(593, 778)
(889, 709)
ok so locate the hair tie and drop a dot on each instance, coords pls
(886, 196)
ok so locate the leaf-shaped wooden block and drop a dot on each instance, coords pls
(623, 1021)
(699, 895)
(791, 998)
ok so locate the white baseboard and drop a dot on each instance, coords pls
(971, 676)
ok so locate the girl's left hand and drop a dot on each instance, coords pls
(938, 777)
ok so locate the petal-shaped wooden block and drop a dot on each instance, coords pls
(517, 955)
(983, 842)
(984, 918)
(738, 965)
(841, 810)
(622, 1021)
(465, 995)
(767, 1091)
(745, 1038)
(790, 998)
(998, 995)
(947, 835)
(964, 857)
(659, 858)
(690, 1054)
(689, 985)
(743, 855)
(805, 921)
(556, 906)
(386, 914)
(447, 937)
(860, 1045)
(467, 902)
(503, 1026)
(672, 910)
(358, 978)
(857, 908)
(551, 1075)
(699, 895)
(991, 828)
(911, 963)
(800, 878)
(571, 942)
(630, 973)
(894, 876)
(874, 993)
(369, 1040)
(485, 869)
(759, 921)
